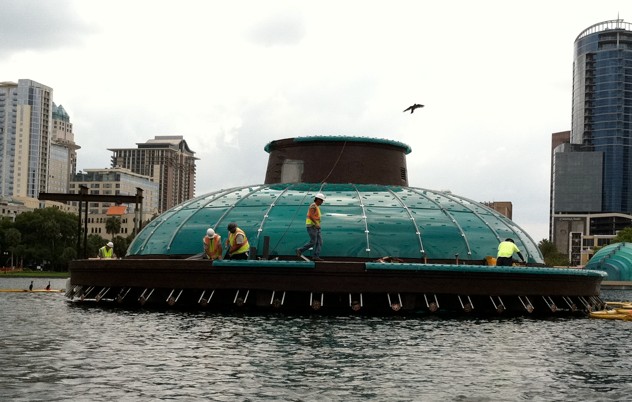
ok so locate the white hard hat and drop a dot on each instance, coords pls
(210, 232)
(320, 196)
(110, 244)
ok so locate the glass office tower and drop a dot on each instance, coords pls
(602, 107)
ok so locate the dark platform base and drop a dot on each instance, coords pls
(335, 287)
(260, 301)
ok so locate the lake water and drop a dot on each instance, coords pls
(54, 350)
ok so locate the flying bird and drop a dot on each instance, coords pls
(413, 107)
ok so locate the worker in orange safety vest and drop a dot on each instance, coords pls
(212, 245)
(312, 223)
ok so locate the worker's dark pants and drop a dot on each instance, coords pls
(240, 256)
(314, 241)
(504, 262)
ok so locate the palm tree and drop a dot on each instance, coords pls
(113, 225)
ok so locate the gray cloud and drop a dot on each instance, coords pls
(39, 25)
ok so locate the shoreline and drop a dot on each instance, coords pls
(35, 274)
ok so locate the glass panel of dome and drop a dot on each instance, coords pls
(392, 229)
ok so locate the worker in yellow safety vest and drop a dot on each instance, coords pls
(212, 245)
(107, 251)
(237, 243)
(312, 223)
(506, 250)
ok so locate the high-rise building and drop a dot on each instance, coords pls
(591, 180)
(602, 106)
(25, 127)
(63, 152)
(166, 159)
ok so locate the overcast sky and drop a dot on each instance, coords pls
(231, 76)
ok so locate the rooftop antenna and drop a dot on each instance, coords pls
(618, 26)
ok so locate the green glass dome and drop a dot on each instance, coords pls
(359, 221)
(369, 212)
(615, 260)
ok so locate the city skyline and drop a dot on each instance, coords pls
(230, 78)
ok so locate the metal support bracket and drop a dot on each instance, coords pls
(467, 307)
(144, 297)
(395, 306)
(432, 306)
(239, 300)
(500, 307)
(204, 302)
(277, 302)
(527, 306)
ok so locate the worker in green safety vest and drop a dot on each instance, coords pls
(107, 251)
(237, 243)
(506, 250)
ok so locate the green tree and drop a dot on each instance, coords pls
(547, 247)
(12, 238)
(18, 254)
(113, 226)
(68, 254)
(46, 233)
(121, 244)
(95, 242)
(552, 257)
(624, 235)
(5, 224)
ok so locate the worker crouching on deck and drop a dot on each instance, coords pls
(506, 250)
(107, 251)
(237, 243)
(212, 245)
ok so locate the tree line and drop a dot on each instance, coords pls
(48, 238)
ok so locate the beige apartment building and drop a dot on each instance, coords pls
(168, 160)
(116, 181)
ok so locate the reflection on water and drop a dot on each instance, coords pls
(55, 350)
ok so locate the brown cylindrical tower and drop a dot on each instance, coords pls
(337, 159)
